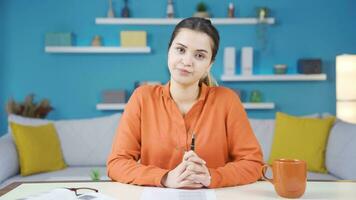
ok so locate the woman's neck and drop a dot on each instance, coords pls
(184, 94)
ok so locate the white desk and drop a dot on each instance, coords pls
(258, 190)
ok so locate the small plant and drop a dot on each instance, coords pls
(29, 108)
(95, 175)
(201, 7)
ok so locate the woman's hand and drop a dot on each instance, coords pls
(196, 169)
(177, 178)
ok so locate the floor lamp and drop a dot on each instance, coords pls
(346, 87)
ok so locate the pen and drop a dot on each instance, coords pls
(192, 145)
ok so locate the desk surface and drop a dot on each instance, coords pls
(258, 190)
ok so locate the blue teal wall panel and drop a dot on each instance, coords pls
(2, 69)
(74, 82)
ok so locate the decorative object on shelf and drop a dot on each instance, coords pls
(95, 175)
(170, 9)
(262, 14)
(261, 28)
(345, 87)
(309, 66)
(202, 10)
(229, 61)
(256, 96)
(111, 13)
(114, 96)
(133, 38)
(247, 61)
(29, 108)
(125, 12)
(280, 69)
(231, 10)
(96, 42)
(58, 39)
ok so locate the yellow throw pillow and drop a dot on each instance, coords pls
(38, 148)
(301, 138)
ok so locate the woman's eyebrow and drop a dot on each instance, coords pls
(201, 50)
(182, 45)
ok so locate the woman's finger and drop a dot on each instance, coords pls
(196, 168)
(200, 178)
(189, 184)
(196, 160)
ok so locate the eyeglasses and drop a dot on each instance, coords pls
(82, 190)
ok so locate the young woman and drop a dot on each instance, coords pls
(153, 142)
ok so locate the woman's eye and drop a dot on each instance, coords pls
(200, 56)
(180, 50)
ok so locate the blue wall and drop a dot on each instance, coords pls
(74, 83)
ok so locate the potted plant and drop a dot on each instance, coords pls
(201, 10)
(29, 108)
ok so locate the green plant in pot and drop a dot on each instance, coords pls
(202, 10)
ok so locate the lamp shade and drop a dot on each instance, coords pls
(346, 77)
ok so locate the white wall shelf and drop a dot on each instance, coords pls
(110, 106)
(259, 106)
(82, 49)
(250, 106)
(168, 21)
(284, 77)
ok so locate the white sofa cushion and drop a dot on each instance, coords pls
(9, 163)
(264, 130)
(84, 142)
(341, 150)
(87, 142)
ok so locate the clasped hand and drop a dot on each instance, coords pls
(190, 173)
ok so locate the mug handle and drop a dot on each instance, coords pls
(263, 170)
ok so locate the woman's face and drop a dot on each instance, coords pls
(189, 57)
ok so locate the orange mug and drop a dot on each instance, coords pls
(289, 177)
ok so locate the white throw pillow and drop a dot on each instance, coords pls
(341, 150)
(87, 142)
(264, 130)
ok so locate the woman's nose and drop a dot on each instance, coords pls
(187, 60)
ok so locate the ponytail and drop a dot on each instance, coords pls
(209, 80)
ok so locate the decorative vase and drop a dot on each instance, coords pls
(231, 11)
(170, 9)
(125, 12)
(111, 13)
(96, 42)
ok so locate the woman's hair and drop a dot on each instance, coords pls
(204, 26)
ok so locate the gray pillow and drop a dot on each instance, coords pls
(341, 150)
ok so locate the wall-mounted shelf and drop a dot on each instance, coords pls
(251, 106)
(54, 49)
(285, 77)
(168, 21)
(110, 106)
(259, 106)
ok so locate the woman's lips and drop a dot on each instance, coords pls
(184, 72)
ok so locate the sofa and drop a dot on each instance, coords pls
(86, 144)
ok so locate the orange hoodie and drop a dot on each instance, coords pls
(153, 135)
